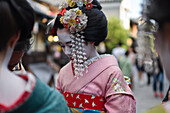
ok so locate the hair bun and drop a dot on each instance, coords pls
(97, 4)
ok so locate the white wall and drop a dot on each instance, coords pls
(125, 13)
(111, 9)
(120, 10)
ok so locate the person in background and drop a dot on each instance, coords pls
(140, 69)
(157, 76)
(126, 66)
(159, 12)
(21, 93)
(132, 58)
(149, 78)
(91, 83)
(167, 97)
(118, 52)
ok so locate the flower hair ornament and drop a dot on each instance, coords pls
(76, 21)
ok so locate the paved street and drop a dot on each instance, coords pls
(144, 95)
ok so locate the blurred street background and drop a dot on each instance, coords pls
(144, 94)
(45, 58)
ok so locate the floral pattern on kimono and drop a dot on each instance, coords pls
(118, 95)
(105, 79)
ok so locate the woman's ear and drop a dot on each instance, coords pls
(14, 39)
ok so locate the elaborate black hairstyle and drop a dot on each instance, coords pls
(96, 30)
(15, 15)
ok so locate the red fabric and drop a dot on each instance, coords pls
(53, 29)
(84, 101)
(77, 20)
(65, 26)
(19, 101)
(72, 68)
(89, 5)
(60, 13)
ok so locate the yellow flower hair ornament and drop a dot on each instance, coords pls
(74, 19)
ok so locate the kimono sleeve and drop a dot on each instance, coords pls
(119, 98)
(54, 104)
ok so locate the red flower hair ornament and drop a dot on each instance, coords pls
(60, 13)
(75, 21)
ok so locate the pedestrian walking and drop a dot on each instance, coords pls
(158, 77)
(156, 15)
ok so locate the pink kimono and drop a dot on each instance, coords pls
(103, 79)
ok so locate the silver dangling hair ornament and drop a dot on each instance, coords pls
(76, 21)
(78, 54)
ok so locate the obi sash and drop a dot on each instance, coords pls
(84, 101)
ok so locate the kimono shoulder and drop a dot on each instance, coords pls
(43, 99)
(65, 68)
(100, 64)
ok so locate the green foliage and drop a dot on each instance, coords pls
(116, 34)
